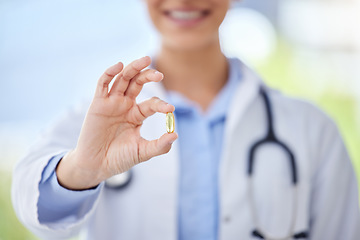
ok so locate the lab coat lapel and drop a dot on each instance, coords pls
(247, 91)
(161, 190)
(232, 183)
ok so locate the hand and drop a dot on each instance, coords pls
(110, 141)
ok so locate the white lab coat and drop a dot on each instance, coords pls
(328, 205)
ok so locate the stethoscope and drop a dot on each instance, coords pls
(122, 180)
(270, 137)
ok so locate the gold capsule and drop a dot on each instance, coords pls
(170, 122)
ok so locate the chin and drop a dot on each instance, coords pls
(189, 43)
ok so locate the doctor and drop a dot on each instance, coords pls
(215, 181)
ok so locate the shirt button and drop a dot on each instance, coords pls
(227, 219)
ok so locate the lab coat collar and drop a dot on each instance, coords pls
(246, 92)
(248, 88)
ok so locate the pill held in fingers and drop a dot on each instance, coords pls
(170, 122)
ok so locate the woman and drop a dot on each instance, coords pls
(203, 187)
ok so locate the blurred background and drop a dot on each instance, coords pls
(52, 53)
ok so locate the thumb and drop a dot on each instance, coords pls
(157, 147)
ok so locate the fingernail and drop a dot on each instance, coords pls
(168, 104)
(157, 72)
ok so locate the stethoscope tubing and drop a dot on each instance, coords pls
(270, 137)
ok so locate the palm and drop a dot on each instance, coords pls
(119, 128)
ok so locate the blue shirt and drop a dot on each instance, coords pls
(200, 142)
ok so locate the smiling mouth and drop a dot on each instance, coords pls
(187, 15)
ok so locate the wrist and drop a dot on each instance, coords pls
(72, 176)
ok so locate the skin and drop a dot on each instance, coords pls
(189, 57)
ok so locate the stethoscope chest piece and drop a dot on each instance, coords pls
(119, 181)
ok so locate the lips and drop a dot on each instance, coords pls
(186, 15)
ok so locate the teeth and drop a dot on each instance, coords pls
(185, 15)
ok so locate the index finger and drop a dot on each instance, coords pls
(150, 107)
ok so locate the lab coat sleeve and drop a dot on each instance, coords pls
(28, 174)
(334, 206)
(58, 205)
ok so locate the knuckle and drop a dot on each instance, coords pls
(155, 99)
(147, 77)
(108, 74)
(136, 67)
(140, 79)
(103, 84)
(126, 76)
